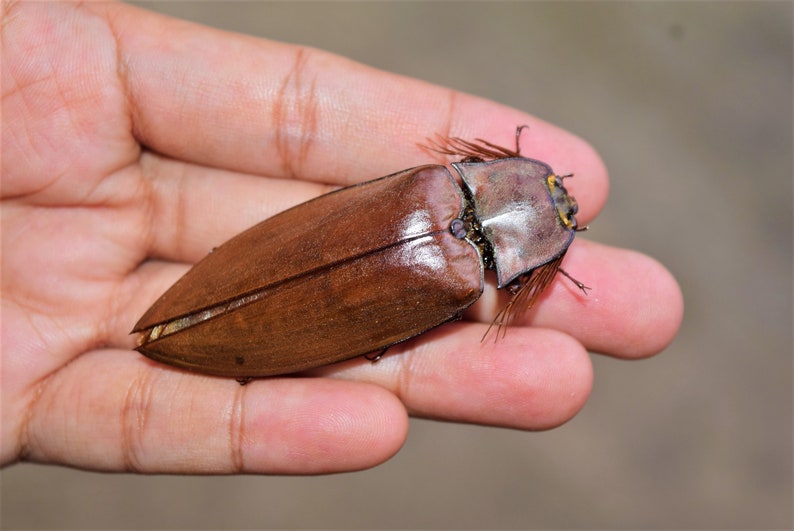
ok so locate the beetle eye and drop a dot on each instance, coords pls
(566, 205)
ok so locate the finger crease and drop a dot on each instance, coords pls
(237, 430)
(24, 440)
(405, 378)
(294, 114)
(134, 416)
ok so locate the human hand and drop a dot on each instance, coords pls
(133, 144)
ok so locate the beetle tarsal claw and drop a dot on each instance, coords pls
(578, 284)
(373, 357)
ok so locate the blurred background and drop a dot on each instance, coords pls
(690, 105)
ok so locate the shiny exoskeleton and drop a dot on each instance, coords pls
(362, 268)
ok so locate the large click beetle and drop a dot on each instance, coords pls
(357, 270)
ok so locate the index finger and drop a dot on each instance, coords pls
(267, 108)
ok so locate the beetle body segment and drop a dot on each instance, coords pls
(345, 274)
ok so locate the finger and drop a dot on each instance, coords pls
(142, 417)
(286, 111)
(192, 209)
(532, 379)
(632, 309)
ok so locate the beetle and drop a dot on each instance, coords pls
(362, 268)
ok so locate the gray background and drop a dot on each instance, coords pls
(690, 104)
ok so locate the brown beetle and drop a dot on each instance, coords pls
(357, 270)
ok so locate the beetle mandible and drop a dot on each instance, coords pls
(362, 268)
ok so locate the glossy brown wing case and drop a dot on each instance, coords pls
(349, 273)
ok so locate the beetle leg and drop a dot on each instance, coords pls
(377, 356)
(518, 138)
(578, 284)
(516, 285)
(478, 150)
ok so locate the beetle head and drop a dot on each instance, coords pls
(565, 203)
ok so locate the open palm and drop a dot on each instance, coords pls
(131, 151)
